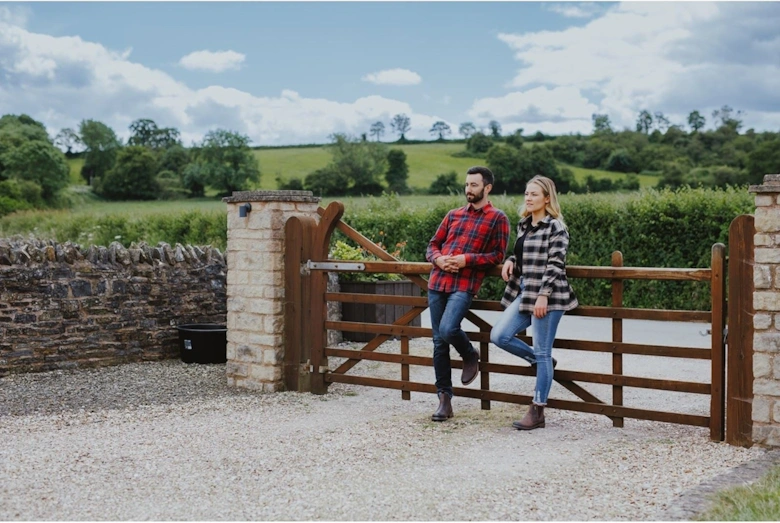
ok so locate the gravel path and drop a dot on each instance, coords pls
(169, 441)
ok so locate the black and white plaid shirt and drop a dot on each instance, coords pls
(544, 267)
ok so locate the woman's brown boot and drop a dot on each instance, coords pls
(533, 419)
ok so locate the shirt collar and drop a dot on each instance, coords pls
(483, 209)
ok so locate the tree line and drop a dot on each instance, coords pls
(154, 164)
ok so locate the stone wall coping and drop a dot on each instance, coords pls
(31, 251)
(272, 196)
(771, 185)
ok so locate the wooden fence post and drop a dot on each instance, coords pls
(739, 420)
(617, 336)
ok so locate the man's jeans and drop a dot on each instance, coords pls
(513, 321)
(447, 310)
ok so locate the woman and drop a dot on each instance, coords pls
(537, 290)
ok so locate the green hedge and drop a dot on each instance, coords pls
(193, 227)
(669, 228)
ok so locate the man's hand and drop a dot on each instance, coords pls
(540, 308)
(506, 270)
(450, 263)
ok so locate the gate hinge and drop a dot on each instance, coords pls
(726, 335)
(322, 369)
(305, 271)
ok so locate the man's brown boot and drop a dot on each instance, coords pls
(533, 419)
(444, 412)
(470, 368)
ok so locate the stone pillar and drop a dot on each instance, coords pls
(766, 322)
(255, 284)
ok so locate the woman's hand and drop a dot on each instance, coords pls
(507, 269)
(540, 308)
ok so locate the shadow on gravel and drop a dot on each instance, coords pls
(118, 387)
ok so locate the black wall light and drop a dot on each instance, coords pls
(244, 209)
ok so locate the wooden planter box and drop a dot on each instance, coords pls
(376, 312)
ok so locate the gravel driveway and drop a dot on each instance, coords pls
(170, 441)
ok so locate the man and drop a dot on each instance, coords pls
(469, 241)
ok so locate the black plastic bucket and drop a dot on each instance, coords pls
(203, 343)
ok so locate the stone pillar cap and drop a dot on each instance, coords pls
(771, 184)
(272, 196)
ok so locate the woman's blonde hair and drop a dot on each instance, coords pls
(552, 208)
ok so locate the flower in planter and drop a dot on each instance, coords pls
(343, 251)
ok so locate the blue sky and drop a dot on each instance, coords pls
(290, 72)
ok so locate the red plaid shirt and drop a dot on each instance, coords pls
(480, 234)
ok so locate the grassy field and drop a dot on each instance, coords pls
(426, 161)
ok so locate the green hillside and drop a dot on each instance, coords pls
(426, 161)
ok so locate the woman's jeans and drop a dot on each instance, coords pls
(447, 311)
(513, 321)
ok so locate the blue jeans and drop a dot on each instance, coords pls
(447, 311)
(513, 321)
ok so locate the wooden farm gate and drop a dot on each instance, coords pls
(306, 325)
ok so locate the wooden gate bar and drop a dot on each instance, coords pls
(739, 411)
(593, 408)
(625, 313)
(718, 285)
(617, 336)
(502, 368)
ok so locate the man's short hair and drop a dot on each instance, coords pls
(487, 174)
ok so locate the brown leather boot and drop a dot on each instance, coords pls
(444, 412)
(533, 419)
(470, 368)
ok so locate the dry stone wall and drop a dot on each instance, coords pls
(64, 306)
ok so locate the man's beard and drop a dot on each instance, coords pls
(473, 198)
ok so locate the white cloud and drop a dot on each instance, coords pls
(665, 56)
(393, 77)
(537, 109)
(575, 10)
(215, 62)
(62, 80)
(14, 14)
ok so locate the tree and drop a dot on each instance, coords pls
(620, 161)
(68, 139)
(39, 162)
(401, 125)
(377, 129)
(397, 172)
(601, 124)
(696, 121)
(765, 159)
(134, 176)
(446, 183)
(644, 122)
(227, 162)
(661, 122)
(515, 139)
(175, 159)
(147, 134)
(440, 128)
(363, 164)
(101, 145)
(495, 129)
(728, 118)
(466, 129)
(479, 143)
